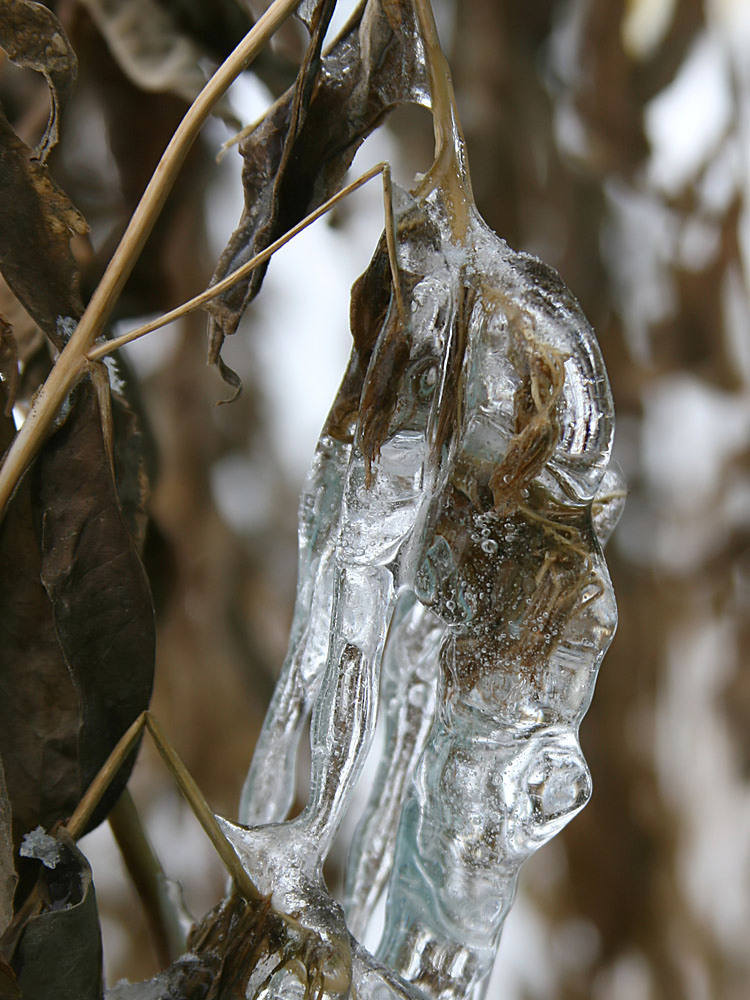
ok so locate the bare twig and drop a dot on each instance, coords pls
(73, 361)
(108, 771)
(202, 811)
(449, 170)
(100, 350)
(195, 799)
(148, 877)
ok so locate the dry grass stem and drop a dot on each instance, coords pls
(100, 350)
(73, 360)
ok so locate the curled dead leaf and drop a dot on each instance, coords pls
(96, 584)
(34, 38)
(37, 221)
(297, 156)
(8, 365)
(152, 50)
(55, 947)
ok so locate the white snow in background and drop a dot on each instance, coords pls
(690, 432)
(719, 182)
(151, 353)
(563, 79)
(733, 17)
(644, 25)
(522, 967)
(697, 764)
(639, 243)
(244, 498)
(685, 122)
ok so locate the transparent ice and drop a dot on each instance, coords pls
(456, 506)
(38, 844)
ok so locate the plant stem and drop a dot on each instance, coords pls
(100, 350)
(104, 778)
(147, 875)
(449, 171)
(72, 362)
(202, 811)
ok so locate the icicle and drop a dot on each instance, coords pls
(465, 466)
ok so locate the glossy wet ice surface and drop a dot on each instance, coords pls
(455, 507)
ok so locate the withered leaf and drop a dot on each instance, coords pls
(39, 717)
(76, 621)
(93, 576)
(233, 950)
(34, 38)
(8, 876)
(37, 221)
(134, 452)
(150, 47)
(8, 365)
(298, 155)
(59, 952)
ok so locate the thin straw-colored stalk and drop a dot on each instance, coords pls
(73, 360)
(202, 811)
(100, 350)
(449, 170)
(186, 783)
(150, 881)
(104, 778)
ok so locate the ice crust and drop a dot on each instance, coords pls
(456, 508)
(39, 845)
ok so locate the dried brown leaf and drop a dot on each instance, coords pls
(76, 620)
(39, 716)
(8, 365)
(58, 950)
(298, 155)
(34, 38)
(150, 47)
(8, 876)
(93, 576)
(37, 221)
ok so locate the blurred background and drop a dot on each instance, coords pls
(611, 139)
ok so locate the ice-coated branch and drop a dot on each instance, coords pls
(456, 507)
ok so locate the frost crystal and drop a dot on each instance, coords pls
(38, 844)
(451, 570)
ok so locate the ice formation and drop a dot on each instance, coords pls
(456, 505)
